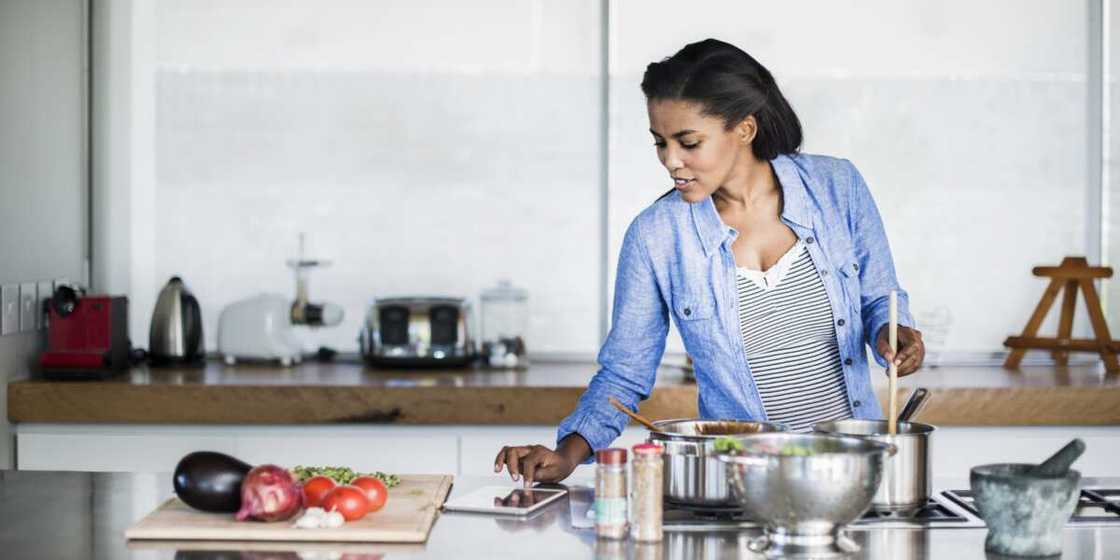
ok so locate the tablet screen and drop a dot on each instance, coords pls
(503, 499)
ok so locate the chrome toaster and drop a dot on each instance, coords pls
(418, 332)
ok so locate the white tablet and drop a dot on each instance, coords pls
(504, 500)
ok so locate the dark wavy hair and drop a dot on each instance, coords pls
(730, 84)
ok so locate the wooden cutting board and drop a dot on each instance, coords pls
(407, 517)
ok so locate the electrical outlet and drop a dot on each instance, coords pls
(44, 292)
(27, 297)
(9, 309)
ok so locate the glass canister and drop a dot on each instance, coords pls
(646, 493)
(610, 493)
(505, 320)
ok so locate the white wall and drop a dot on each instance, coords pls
(43, 217)
(1111, 154)
(966, 118)
(438, 147)
(420, 158)
(42, 163)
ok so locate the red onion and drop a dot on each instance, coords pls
(269, 493)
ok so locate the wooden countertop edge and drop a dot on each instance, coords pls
(74, 402)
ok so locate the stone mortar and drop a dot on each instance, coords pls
(1025, 514)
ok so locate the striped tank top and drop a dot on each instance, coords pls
(786, 322)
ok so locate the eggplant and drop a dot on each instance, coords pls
(234, 555)
(210, 481)
(209, 555)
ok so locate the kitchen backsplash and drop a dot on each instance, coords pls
(471, 157)
(409, 184)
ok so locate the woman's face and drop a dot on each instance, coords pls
(698, 151)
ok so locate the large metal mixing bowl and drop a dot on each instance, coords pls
(805, 487)
(692, 475)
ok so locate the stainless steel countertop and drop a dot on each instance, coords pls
(63, 515)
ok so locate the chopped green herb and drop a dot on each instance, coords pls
(342, 475)
(728, 445)
(796, 451)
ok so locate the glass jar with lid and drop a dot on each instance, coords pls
(505, 319)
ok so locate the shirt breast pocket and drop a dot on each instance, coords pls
(849, 275)
(690, 307)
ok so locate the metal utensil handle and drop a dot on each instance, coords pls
(915, 403)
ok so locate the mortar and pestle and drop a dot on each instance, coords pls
(1026, 507)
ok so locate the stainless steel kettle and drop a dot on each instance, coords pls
(176, 332)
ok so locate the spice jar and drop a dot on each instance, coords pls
(610, 493)
(651, 550)
(505, 318)
(646, 493)
(608, 549)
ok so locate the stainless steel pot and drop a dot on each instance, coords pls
(692, 474)
(805, 487)
(906, 482)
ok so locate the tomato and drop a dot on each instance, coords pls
(315, 489)
(348, 500)
(375, 490)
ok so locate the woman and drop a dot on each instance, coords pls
(773, 264)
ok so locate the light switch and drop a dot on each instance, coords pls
(9, 309)
(45, 291)
(27, 298)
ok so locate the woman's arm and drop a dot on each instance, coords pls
(628, 366)
(876, 272)
(629, 357)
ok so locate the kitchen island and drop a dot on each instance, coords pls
(67, 515)
(455, 420)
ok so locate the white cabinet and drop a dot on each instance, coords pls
(461, 450)
(956, 449)
(131, 448)
(479, 445)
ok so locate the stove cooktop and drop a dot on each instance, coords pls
(949, 509)
(933, 512)
(1097, 506)
(939, 512)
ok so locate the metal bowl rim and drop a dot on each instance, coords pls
(921, 428)
(778, 428)
(870, 447)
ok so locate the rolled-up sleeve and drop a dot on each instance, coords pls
(876, 266)
(628, 359)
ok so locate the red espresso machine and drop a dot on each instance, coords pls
(87, 336)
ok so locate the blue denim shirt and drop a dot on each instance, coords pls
(676, 261)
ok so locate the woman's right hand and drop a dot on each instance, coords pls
(537, 463)
(533, 463)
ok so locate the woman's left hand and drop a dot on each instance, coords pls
(911, 350)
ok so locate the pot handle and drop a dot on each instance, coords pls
(891, 450)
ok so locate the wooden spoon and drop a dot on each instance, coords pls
(892, 335)
(641, 419)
